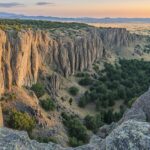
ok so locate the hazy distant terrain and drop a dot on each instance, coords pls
(139, 28)
(78, 19)
(134, 25)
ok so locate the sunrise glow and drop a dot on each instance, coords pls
(78, 8)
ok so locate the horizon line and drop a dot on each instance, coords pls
(75, 17)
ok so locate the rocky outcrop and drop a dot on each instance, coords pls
(117, 37)
(23, 54)
(105, 130)
(131, 133)
(53, 84)
(140, 110)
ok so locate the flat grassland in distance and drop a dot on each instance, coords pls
(138, 28)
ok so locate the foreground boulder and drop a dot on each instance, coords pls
(132, 132)
(130, 135)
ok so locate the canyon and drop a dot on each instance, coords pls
(52, 57)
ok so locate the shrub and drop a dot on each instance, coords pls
(38, 89)
(8, 96)
(131, 102)
(90, 122)
(21, 121)
(63, 99)
(70, 101)
(93, 122)
(82, 74)
(46, 139)
(76, 129)
(96, 67)
(73, 142)
(86, 81)
(82, 102)
(48, 104)
(73, 90)
(101, 89)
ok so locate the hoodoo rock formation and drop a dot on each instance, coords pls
(24, 53)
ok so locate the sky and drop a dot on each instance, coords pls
(78, 8)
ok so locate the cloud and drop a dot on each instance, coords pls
(44, 3)
(8, 5)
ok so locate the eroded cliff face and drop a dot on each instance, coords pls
(117, 37)
(24, 53)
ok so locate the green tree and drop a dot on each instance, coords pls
(75, 128)
(108, 116)
(93, 122)
(74, 142)
(121, 92)
(21, 121)
(82, 102)
(38, 89)
(90, 122)
(70, 101)
(48, 104)
(73, 90)
(111, 102)
(101, 89)
(86, 81)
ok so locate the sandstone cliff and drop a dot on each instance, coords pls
(23, 54)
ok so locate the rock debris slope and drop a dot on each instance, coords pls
(131, 133)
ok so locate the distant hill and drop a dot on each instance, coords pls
(82, 19)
